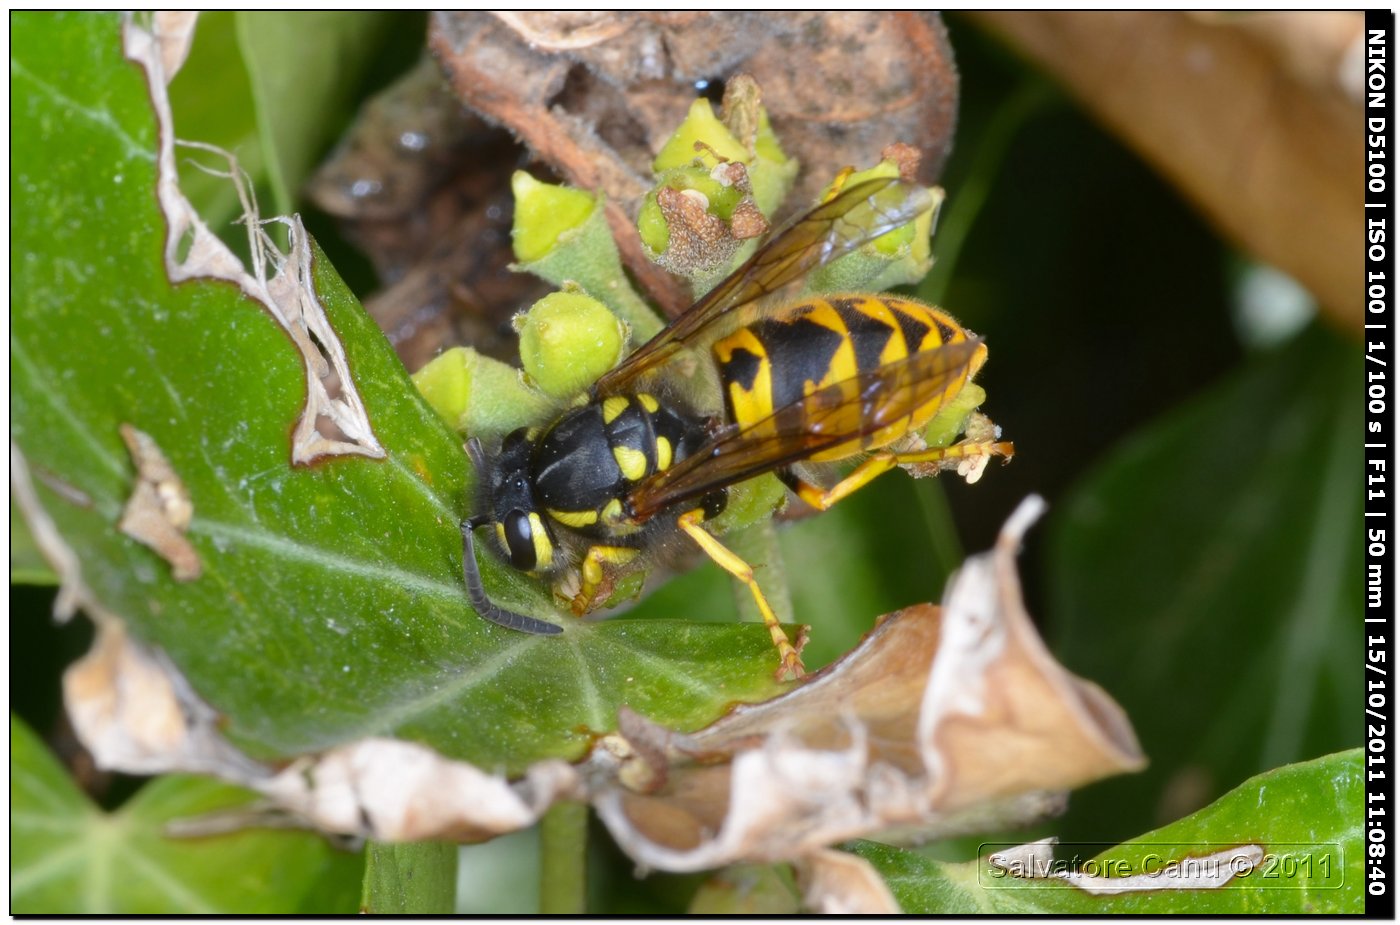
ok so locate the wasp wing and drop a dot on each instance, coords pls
(856, 215)
(823, 420)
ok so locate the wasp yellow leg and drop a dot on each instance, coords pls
(974, 455)
(791, 662)
(591, 573)
(885, 460)
(862, 475)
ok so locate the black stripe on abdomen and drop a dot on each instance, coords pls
(914, 328)
(868, 335)
(799, 351)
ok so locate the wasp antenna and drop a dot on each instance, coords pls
(476, 592)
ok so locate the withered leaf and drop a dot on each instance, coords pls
(1254, 116)
(836, 883)
(939, 721)
(595, 94)
(159, 510)
(422, 186)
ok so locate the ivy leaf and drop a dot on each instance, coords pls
(302, 90)
(1306, 817)
(331, 604)
(272, 87)
(419, 878)
(27, 564)
(213, 102)
(1225, 626)
(71, 858)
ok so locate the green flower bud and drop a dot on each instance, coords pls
(892, 242)
(652, 228)
(896, 258)
(477, 395)
(545, 215)
(948, 424)
(562, 236)
(766, 143)
(568, 340)
(699, 125)
(720, 201)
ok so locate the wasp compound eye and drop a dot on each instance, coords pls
(519, 540)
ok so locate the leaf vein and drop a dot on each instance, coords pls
(401, 714)
(25, 879)
(334, 562)
(592, 701)
(667, 669)
(186, 900)
(99, 116)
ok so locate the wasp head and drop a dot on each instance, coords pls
(507, 500)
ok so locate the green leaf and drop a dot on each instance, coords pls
(273, 88)
(303, 68)
(331, 605)
(27, 565)
(410, 879)
(213, 103)
(68, 857)
(1206, 576)
(1306, 817)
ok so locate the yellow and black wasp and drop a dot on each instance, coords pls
(819, 379)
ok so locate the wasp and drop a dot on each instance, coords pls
(819, 379)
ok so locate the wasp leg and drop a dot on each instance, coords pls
(884, 460)
(823, 498)
(969, 457)
(592, 575)
(791, 662)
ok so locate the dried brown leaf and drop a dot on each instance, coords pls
(933, 724)
(176, 31)
(135, 713)
(333, 421)
(1254, 116)
(596, 94)
(159, 510)
(392, 790)
(422, 187)
(837, 883)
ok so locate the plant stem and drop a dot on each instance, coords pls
(563, 848)
(962, 209)
(943, 533)
(758, 545)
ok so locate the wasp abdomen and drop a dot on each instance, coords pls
(790, 354)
